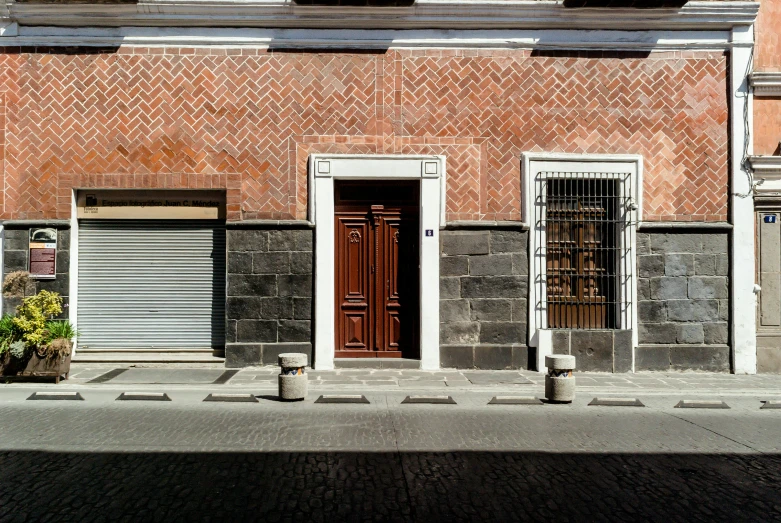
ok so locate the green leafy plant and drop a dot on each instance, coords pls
(59, 336)
(60, 329)
(33, 313)
(8, 332)
(7, 327)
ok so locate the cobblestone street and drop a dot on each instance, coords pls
(185, 460)
(334, 486)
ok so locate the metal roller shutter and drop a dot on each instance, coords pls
(151, 284)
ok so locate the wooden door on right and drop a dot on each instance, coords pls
(377, 269)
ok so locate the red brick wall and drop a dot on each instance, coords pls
(245, 120)
(767, 125)
(767, 54)
(767, 57)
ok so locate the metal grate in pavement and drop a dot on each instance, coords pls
(232, 398)
(515, 400)
(56, 396)
(143, 396)
(616, 402)
(433, 400)
(701, 404)
(342, 398)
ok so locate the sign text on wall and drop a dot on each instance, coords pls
(43, 254)
(152, 204)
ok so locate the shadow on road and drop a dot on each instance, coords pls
(408, 486)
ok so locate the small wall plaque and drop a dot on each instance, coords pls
(429, 233)
(770, 218)
(43, 254)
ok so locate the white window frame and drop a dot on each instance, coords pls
(534, 167)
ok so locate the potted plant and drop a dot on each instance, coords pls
(31, 342)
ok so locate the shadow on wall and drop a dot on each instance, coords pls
(374, 3)
(64, 50)
(76, 2)
(388, 486)
(623, 55)
(219, 289)
(636, 4)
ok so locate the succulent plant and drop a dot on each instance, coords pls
(17, 349)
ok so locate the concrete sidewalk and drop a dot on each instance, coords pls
(356, 380)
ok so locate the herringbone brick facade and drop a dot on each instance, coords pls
(767, 54)
(246, 120)
(767, 57)
(767, 125)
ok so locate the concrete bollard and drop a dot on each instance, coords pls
(560, 383)
(292, 377)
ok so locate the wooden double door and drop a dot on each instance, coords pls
(377, 269)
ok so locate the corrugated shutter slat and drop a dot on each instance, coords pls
(151, 284)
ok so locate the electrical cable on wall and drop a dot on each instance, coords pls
(744, 162)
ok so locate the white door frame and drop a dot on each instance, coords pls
(323, 170)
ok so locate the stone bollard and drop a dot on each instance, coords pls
(560, 383)
(292, 377)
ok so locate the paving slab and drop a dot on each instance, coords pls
(265, 377)
(497, 377)
(168, 376)
(415, 384)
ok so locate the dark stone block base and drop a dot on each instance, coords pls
(489, 357)
(596, 350)
(239, 355)
(483, 295)
(269, 295)
(706, 358)
(376, 363)
(683, 300)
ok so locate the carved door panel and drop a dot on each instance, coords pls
(398, 284)
(353, 285)
(377, 271)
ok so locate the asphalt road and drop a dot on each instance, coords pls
(105, 460)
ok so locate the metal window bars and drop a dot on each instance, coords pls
(584, 236)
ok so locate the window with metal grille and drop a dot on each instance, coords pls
(583, 231)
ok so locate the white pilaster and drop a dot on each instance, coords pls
(430, 207)
(744, 331)
(324, 272)
(73, 296)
